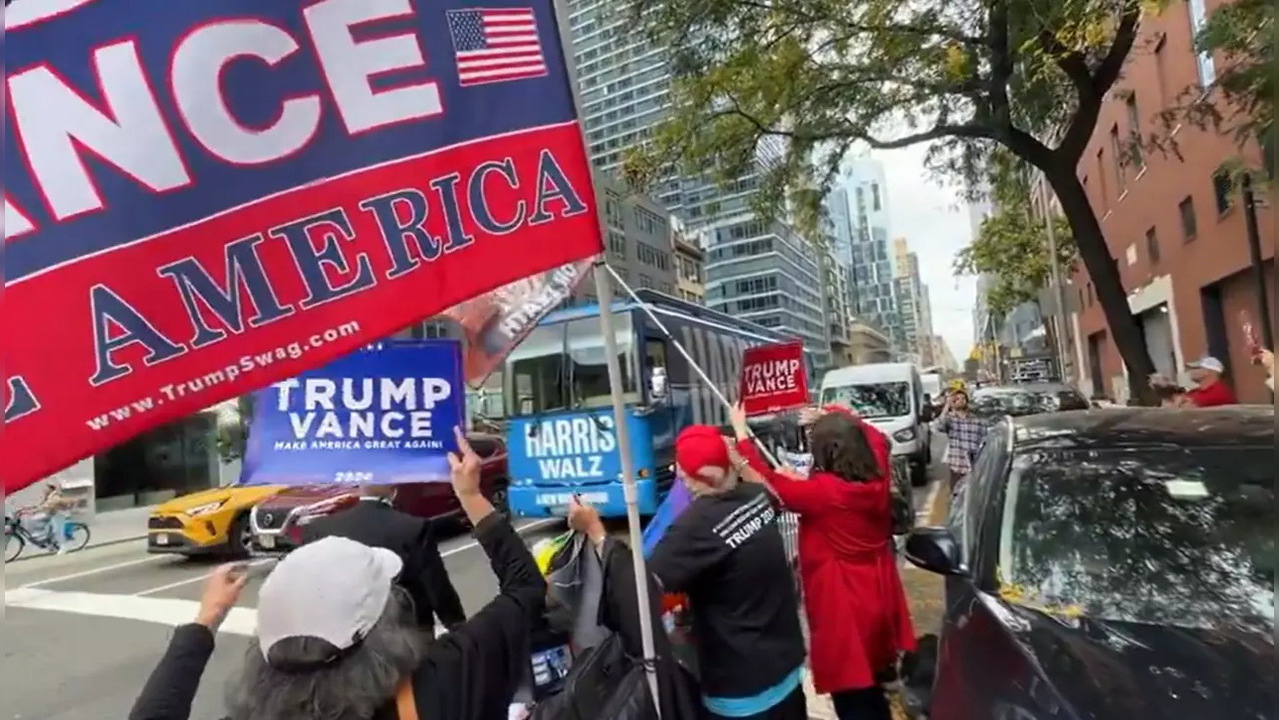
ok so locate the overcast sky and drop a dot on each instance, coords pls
(935, 222)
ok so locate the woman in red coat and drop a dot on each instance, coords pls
(858, 619)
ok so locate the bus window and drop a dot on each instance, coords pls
(588, 369)
(535, 373)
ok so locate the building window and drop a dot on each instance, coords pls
(617, 244)
(1134, 129)
(1117, 158)
(1161, 69)
(1189, 225)
(1152, 246)
(1203, 60)
(1221, 187)
(876, 202)
(1101, 179)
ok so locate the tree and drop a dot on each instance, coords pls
(826, 77)
(1240, 102)
(1012, 245)
(1012, 248)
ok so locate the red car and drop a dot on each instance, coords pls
(276, 523)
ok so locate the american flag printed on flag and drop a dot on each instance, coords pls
(495, 45)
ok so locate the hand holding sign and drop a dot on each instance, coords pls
(774, 378)
(737, 418)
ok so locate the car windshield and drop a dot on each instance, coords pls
(882, 400)
(1170, 536)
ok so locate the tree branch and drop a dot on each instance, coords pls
(972, 131)
(1001, 66)
(1090, 94)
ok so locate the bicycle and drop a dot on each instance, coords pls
(75, 536)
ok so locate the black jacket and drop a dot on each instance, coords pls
(377, 524)
(470, 673)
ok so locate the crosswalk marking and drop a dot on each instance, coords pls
(163, 611)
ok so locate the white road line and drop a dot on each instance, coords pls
(163, 611)
(527, 527)
(190, 581)
(931, 501)
(95, 571)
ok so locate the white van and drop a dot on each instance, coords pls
(891, 397)
(933, 386)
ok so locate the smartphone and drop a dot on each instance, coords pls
(1250, 336)
(549, 668)
(254, 569)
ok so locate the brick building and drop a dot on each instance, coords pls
(1175, 226)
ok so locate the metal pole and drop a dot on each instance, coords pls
(1063, 347)
(604, 291)
(768, 455)
(1258, 269)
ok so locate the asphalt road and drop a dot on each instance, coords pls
(83, 631)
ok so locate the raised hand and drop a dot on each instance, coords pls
(464, 466)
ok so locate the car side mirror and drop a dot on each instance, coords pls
(936, 550)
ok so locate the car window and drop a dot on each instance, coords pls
(1165, 536)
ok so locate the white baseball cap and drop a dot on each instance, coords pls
(1207, 362)
(333, 589)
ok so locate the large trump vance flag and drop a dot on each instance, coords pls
(202, 198)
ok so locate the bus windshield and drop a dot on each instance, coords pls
(563, 366)
(535, 373)
(588, 371)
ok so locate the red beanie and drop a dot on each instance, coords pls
(700, 453)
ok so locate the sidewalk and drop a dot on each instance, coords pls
(115, 526)
(107, 528)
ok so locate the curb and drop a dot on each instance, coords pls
(90, 546)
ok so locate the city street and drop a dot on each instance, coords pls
(82, 631)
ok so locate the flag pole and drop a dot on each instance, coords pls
(701, 374)
(604, 291)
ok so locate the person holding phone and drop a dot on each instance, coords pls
(336, 636)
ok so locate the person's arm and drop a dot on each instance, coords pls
(170, 691)
(435, 579)
(494, 643)
(805, 497)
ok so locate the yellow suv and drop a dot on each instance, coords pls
(207, 522)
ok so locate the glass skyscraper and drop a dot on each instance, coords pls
(750, 266)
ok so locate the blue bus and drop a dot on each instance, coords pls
(560, 428)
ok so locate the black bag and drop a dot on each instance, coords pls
(604, 684)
